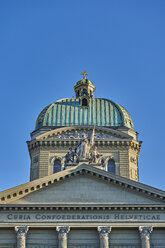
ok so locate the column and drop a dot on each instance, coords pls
(103, 234)
(145, 235)
(21, 236)
(62, 235)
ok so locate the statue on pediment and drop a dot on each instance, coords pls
(69, 157)
(83, 148)
(95, 156)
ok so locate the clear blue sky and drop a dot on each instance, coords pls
(44, 47)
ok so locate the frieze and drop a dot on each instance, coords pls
(79, 134)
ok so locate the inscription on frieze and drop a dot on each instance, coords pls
(57, 217)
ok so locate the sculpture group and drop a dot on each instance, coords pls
(82, 151)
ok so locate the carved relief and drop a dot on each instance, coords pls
(133, 160)
(79, 135)
(81, 151)
(134, 174)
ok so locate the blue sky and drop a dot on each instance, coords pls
(44, 47)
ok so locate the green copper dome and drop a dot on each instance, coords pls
(69, 112)
(84, 110)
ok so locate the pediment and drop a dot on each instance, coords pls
(75, 133)
(85, 189)
(83, 185)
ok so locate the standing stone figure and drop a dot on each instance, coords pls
(84, 146)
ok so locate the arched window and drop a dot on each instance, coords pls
(111, 166)
(84, 102)
(57, 166)
(78, 93)
(85, 92)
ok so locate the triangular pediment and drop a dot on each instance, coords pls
(83, 184)
(75, 133)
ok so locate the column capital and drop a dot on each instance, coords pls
(62, 231)
(104, 231)
(21, 230)
(145, 231)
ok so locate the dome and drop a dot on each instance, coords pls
(69, 112)
(84, 110)
(84, 81)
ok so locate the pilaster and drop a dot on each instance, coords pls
(145, 232)
(104, 236)
(62, 236)
(21, 236)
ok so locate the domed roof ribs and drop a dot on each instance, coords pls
(100, 112)
(41, 117)
(127, 118)
(46, 117)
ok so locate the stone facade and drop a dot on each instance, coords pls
(66, 210)
(111, 144)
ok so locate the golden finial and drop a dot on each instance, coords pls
(84, 73)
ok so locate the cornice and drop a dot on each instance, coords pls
(123, 140)
(27, 207)
(126, 144)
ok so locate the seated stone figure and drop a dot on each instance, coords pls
(95, 156)
(69, 157)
